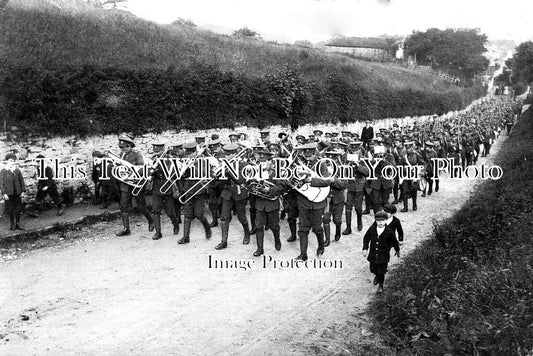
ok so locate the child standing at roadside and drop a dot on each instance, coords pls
(377, 242)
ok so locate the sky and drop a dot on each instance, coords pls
(319, 20)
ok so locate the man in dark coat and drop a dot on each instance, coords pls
(377, 242)
(367, 134)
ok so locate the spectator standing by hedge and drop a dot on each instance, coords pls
(12, 187)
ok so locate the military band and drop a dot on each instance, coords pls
(463, 137)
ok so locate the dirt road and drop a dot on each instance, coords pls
(107, 295)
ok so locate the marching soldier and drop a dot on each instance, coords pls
(161, 200)
(126, 145)
(409, 188)
(335, 201)
(354, 196)
(428, 155)
(215, 201)
(267, 210)
(193, 207)
(381, 186)
(233, 196)
(311, 212)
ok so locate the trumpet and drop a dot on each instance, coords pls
(201, 184)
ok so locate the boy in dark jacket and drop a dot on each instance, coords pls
(12, 187)
(377, 242)
(393, 222)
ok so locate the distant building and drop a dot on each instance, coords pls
(376, 49)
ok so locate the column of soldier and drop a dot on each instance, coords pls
(460, 137)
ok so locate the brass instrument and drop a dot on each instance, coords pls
(201, 184)
(254, 187)
(314, 194)
(144, 180)
(136, 183)
(176, 176)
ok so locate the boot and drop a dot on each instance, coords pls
(414, 201)
(186, 232)
(348, 230)
(292, 227)
(320, 249)
(437, 185)
(225, 231)
(359, 221)
(126, 223)
(277, 240)
(148, 217)
(252, 220)
(327, 234)
(175, 224)
(207, 228)
(380, 288)
(12, 220)
(60, 210)
(260, 236)
(17, 221)
(338, 232)
(157, 224)
(246, 239)
(404, 205)
(214, 214)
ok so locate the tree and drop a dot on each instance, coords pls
(245, 32)
(521, 64)
(457, 51)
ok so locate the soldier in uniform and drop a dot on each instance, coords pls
(409, 189)
(265, 137)
(335, 201)
(177, 152)
(126, 145)
(354, 196)
(194, 207)
(161, 200)
(233, 196)
(381, 186)
(311, 213)
(215, 201)
(267, 210)
(428, 155)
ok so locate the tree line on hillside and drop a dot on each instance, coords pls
(95, 100)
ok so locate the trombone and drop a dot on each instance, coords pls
(201, 184)
(138, 183)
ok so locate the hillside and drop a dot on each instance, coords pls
(67, 70)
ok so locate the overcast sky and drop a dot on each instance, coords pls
(317, 20)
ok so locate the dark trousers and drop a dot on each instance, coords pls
(13, 207)
(262, 218)
(335, 211)
(41, 194)
(164, 202)
(240, 208)
(380, 198)
(194, 208)
(126, 202)
(310, 218)
(354, 200)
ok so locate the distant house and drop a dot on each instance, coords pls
(376, 49)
